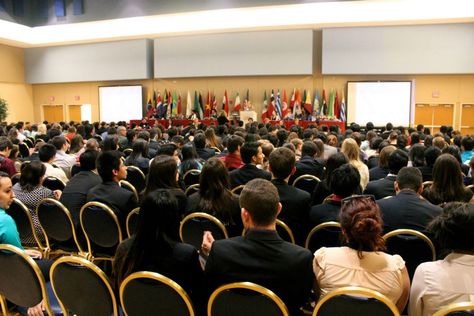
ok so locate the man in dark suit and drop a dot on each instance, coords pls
(296, 203)
(431, 154)
(200, 144)
(308, 164)
(384, 187)
(74, 195)
(112, 169)
(345, 181)
(251, 154)
(407, 209)
(261, 256)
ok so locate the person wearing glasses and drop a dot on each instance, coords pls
(362, 262)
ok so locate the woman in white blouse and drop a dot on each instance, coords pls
(440, 283)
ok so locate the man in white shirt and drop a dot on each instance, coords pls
(62, 159)
(46, 154)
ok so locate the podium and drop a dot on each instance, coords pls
(245, 115)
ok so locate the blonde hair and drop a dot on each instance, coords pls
(351, 149)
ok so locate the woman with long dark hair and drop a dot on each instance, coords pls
(214, 197)
(154, 247)
(138, 157)
(190, 160)
(362, 262)
(322, 190)
(448, 183)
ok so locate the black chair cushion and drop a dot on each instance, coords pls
(100, 227)
(325, 237)
(194, 228)
(354, 306)
(55, 222)
(238, 302)
(136, 179)
(22, 222)
(53, 184)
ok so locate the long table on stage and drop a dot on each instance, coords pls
(208, 122)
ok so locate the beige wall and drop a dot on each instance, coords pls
(13, 88)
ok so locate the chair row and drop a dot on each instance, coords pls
(83, 289)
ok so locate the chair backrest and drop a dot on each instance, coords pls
(29, 142)
(218, 151)
(21, 280)
(470, 187)
(58, 226)
(413, 246)
(328, 198)
(127, 185)
(191, 177)
(136, 177)
(355, 301)
(24, 150)
(457, 309)
(193, 188)
(53, 183)
(15, 178)
(193, 226)
(82, 288)
(132, 221)
(127, 152)
(427, 184)
(75, 169)
(327, 234)
(284, 231)
(24, 223)
(238, 189)
(306, 182)
(150, 293)
(245, 298)
(101, 229)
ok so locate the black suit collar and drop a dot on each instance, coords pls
(262, 234)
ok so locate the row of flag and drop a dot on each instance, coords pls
(301, 105)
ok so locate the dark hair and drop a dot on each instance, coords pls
(248, 150)
(110, 143)
(162, 174)
(167, 149)
(200, 140)
(214, 190)
(309, 149)
(107, 162)
(233, 143)
(282, 161)
(453, 228)
(131, 133)
(155, 236)
(431, 154)
(409, 178)
(77, 143)
(5, 143)
(88, 159)
(417, 155)
(467, 142)
(414, 138)
(139, 149)
(46, 152)
(58, 142)
(31, 174)
(190, 158)
(260, 198)
(454, 151)
(334, 162)
(362, 225)
(447, 180)
(397, 160)
(345, 180)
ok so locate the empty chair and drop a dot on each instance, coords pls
(53, 183)
(245, 298)
(21, 280)
(326, 234)
(284, 231)
(306, 182)
(101, 229)
(24, 223)
(127, 185)
(193, 226)
(150, 293)
(82, 288)
(132, 221)
(58, 227)
(355, 301)
(457, 309)
(24, 150)
(191, 177)
(413, 246)
(136, 177)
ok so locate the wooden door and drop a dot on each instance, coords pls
(75, 113)
(53, 113)
(467, 119)
(434, 115)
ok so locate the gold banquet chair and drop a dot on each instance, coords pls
(456, 309)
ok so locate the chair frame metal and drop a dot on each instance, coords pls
(412, 232)
(127, 185)
(191, 171)
(139, 171)
(319, 227)
(357, 291)
(89, 265)
(25, 210)
(114, 217)
(190, 188)
(248, 286)
(305, 177)
(48, 251)
(455, 307)
(427, 184)
(134, 212)
(39, 276)
(209, 217)
(160, 278)
(55, 178)
(288, 230)
(239, 187)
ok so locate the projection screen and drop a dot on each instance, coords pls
(120, 103)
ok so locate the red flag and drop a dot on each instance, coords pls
(179, 104)
(207, 108)
(336, 107)
(225, 103)
(292, 100)
(264, 116)
(271, 107)
(284, 106)
(237, 104)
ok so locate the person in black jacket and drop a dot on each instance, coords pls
(308, 164)
(252, 155)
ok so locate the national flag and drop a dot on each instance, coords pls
(159, 105)
(247, 101)
(179, 104)
(331, 104)
(336, 106)
(292, 100)
(297, 106)
(207, 108)
(271, 106)
(201, 107)
(149, 106)
(316, 102)
(196, 107)
(165, 106)
(189, 105)
(225, 103)
(265, 106)
(213, 104)
(174, 105)
(154, 101)
(343, 109)
(324, 105)
(307, 102)
(284, 106)
(237, 104)
(278, 106)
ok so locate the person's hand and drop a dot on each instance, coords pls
(35, 254)
(207, 240)
(37, 310)
(57, 194)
